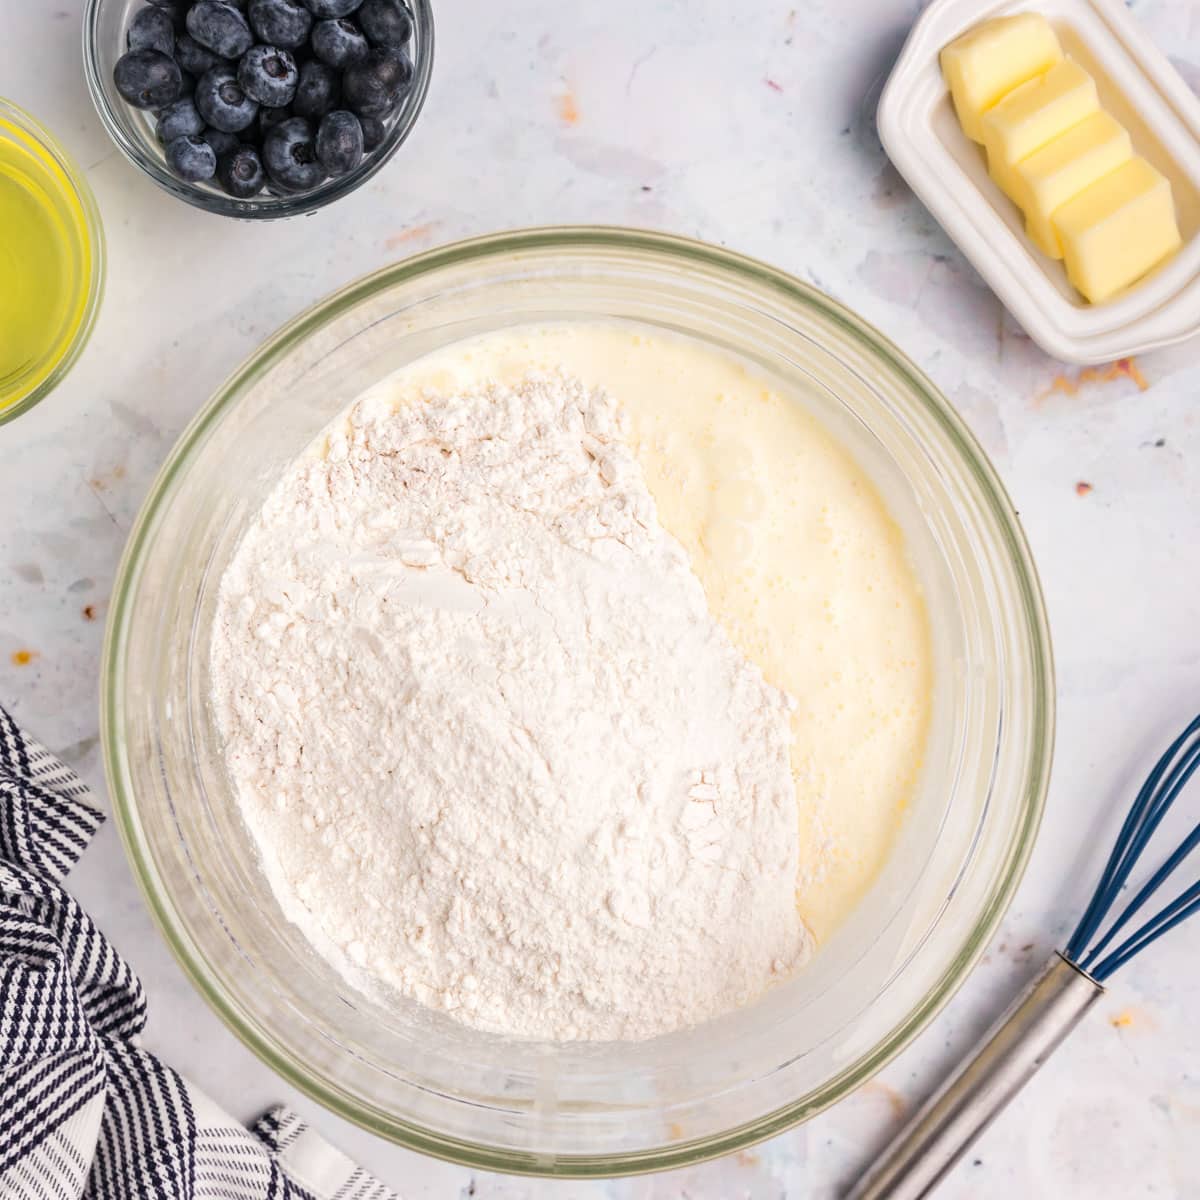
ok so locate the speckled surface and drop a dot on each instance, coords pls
(748, 125)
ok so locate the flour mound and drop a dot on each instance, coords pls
(495, 751)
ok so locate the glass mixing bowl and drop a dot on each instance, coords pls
(585, 1109)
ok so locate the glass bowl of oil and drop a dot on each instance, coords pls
(51, 262)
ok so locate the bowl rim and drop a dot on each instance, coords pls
(265, 207)
(75, 176)
(1007, 873)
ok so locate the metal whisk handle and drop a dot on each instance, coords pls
(959, 1111)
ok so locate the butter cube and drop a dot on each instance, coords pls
(987, 62)
(1117, 229)
(1061, 169)
(1034, 113)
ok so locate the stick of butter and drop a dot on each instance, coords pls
(1033, 114)
(1067, 164)
(1117, 229)
(1061, 169)
(987, 62)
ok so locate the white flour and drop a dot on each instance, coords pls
(494, 749)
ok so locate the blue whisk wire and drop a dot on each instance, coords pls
(1163, 785)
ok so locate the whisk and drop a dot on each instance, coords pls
(1036, 1022)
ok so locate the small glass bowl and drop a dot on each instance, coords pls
(60, 180)
(104, 26)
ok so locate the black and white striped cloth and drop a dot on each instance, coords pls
(84, 1111)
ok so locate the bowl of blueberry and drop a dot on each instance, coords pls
(258, 108)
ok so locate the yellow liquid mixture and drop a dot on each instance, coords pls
(46, 256)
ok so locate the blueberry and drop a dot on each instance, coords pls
(318, 91)
(241, 173)
(219, 27)
(339, 142)
(221, 101)
(385, 22)
(339, 43)
(147, 78)
(331, 8)
(179, 119)
(222, 143)
(268, 75)
(374, 131)
(191, 158)
(193, 57)
(372, 88)
(187, 84)
(152, 29)
(291, 156)
(285, 23)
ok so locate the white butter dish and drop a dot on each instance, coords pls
(1140, 88)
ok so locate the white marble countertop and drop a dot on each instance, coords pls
(748, 125)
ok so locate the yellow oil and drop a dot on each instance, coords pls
(46, 256)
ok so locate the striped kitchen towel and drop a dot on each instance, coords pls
(84, 1111)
